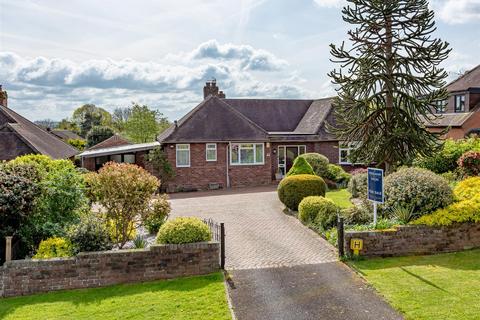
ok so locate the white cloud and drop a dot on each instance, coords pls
(330, 3)
(457, 11)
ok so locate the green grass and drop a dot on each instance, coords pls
(445, 286)
(341, 198)
(200, 297)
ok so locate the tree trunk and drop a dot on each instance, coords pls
(389, 83)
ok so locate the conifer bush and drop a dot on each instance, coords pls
(318, 162)
(300, 166)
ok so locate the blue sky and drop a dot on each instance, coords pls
(58, 55)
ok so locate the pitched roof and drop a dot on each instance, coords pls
(447, 119)
(218, 119)
(35, 137)
(470, 79)
(114, 141)
(119, 149)
(66, 134)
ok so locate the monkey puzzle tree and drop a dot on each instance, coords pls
(388, 79)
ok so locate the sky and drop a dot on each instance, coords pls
(58, 55)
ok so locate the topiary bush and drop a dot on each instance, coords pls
(300, 166)
(358, 185)
(337, 174)
(319, 211)
(184, 230)
(54, 248)
(160, 208)
(90, 234)
(467, 188)
(469, 163)
(291, 190)
(418, 189)
(318, 162)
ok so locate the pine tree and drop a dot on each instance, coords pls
(388, 80)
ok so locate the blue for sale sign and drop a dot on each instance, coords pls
(375, 185)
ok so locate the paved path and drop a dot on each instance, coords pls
(258, 233)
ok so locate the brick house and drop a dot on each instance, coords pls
(245, 142)
(460, 112)
(19, 136)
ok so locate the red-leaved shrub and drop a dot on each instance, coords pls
(469, 162)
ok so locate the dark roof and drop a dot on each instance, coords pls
(217, 119)
(447, 119)
(470, 79)
(114, 141)
(35, 137)
(66, 135)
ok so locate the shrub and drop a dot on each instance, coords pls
(469, 163)
(319, 211)
(356, 215)
(318, 162)
(54, 248)
(402, 214)
(90, 234)
(417, 189)
(358, 185)
(300, 166)
(160, 208)
(139, 242)
(125, 191)
(158, 160)
(337, 174)
(184, 230)
(79, 144)
(467, 188)
(458, 212)
(292, 190)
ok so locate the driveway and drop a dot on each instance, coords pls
(279, 268)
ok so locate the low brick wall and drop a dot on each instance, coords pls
(97, 269)
(415, 240)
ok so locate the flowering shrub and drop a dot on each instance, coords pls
(467, 188)
(293, 189)
(125, 191)
(318, 162)
(469, 163)
(184, 230)
(419, 190)
(54, 248)
(300, 166)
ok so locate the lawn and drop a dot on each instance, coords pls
(341, 197)
(445, 286)
(200, 297)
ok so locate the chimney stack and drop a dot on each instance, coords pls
(3, 97)
(211, 88)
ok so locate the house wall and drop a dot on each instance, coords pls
(11, 146)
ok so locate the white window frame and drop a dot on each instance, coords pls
(283, 164)
(210, 147)
(254, 163)
(176, 155)
(348, 149)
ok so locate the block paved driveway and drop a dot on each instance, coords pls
(279, 268)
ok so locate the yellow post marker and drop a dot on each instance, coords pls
(356, 245)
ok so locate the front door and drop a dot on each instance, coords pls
(286, 157)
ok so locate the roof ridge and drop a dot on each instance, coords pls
(463, 76)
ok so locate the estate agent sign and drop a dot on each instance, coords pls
(375, 189)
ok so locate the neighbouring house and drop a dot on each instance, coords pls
(246, 142)
(19, 136)
(459, 114)
(117, 149)
(65, 135)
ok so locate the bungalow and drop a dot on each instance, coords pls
(459, 114)
(244, 142)
(19, 136)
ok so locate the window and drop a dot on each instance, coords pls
(460, 103)
(211, 151)
(344, 153)
(129, 158)
(183, 155)
(441, 106)
(246, 153)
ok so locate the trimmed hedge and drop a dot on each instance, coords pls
(293, 189)
(318, 162)
(184, 230)
(337, 174)
(300, 166)
(319, 211)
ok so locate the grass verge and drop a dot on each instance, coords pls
(341, 198)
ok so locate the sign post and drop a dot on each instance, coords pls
(375, 189)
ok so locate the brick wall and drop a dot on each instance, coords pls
(415, 240)
(97, 269)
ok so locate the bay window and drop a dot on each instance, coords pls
(246, 153)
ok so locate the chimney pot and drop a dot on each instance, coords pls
(3, 97)
(211, 89)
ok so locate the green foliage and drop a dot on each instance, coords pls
(319, 211)
(54, 248)
(467, 189)
(417, 189)
(139, 242)
(120, 117)
(160, 208)
(158, 160)
(357, 215)
(388, 80)
(458, 212)
(337, 174)
(446, 158)
(300, 166)
(98, 134)
(318, 162)
(88, 116)
(124, 190)
(144, 124)
(382, 224)
(332, 236)
(184, 230)
(402, 214)
(79, 144)
(469, 163)
(358, 185)
(292, 190)
(90, 234)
